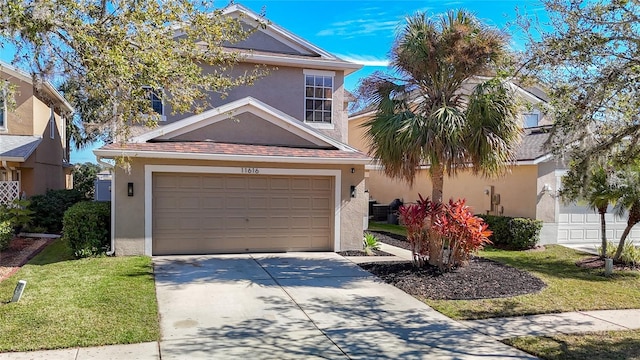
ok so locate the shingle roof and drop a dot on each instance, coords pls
(207, 147)
(532, 146)
(17, 147)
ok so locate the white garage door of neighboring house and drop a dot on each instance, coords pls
(218, 213)
(579, 224)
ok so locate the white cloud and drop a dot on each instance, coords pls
(368, 23)
(366, 60)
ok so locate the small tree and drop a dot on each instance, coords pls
(84, 177)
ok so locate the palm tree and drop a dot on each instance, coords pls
(426, 114)
(629, 201)
(599, 190)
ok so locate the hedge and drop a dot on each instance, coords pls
(87, 227)
(513, 233)
(6, 234)
(49, 208)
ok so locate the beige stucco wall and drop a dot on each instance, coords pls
(19, 119)
(260, 41)
(283, 88)
(245, 128)
(517, 189)
(129, 211)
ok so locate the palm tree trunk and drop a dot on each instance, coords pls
(603, 230)
(437, 179)
(634, 218)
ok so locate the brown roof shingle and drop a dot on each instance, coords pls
(208, 147)
(532, 145)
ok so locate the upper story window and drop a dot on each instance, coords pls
(318, 98)
(157, 105)
(3, 111)
(531, 120)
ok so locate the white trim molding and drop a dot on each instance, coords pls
(227, 157)
(148, 191)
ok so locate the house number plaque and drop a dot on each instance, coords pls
(250, 170)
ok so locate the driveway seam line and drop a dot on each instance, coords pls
(300, 307)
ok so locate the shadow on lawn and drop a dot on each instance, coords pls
(556, 348)
(361, 327)
(555, 264)
(56, 251)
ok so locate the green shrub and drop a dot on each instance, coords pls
(87, 227)
(370, 243)
(525, 233)
(513, 233)
(6, 234)
(49, 208)
(630, 252)
(17, 214)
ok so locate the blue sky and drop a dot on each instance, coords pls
(362, 31)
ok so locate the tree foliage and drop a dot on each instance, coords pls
(426, 114)
(84, 177)
(113, 49)
(588, 55)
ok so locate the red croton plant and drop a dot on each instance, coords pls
(443, 235)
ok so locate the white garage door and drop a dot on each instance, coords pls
(579, 224)
(221, 213)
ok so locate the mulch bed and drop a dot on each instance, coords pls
(363, 253)
(481, 279)
(20, 251)
(596, 262)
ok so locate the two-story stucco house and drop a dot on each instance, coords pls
(33, 156)
(529, 189)
(265, 169)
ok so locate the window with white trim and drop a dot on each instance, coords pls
(52, 124)
(531, 120)
(155, 97)
(318, 98)
(3, 110)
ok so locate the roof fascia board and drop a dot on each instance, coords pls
(108, 153)
(347, 67)
(13, 158)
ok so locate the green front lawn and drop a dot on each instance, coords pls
(394, 229)
(569, 287)
(607, 345)
(88, 302)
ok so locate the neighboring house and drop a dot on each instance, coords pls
(529, 189)
(266, 169)
(32, 136)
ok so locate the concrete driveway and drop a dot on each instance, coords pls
(302, 306)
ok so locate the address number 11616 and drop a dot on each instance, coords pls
(250, 170)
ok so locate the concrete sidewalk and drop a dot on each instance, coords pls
(499, 328)
(563, 323)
